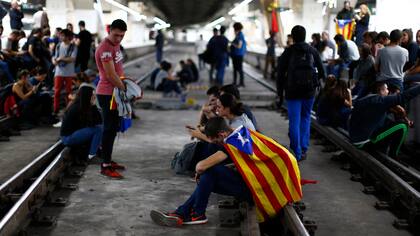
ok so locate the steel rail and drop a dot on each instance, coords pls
(33, 196)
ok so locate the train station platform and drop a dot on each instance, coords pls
(101, 206)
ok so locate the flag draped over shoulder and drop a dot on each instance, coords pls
(269, 170)
(345, 28)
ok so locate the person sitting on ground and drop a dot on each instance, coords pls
(32, 105)
(336, 106)
(233, 89)
(194, 69)
(390, 62)
(228, 107)
(370, 37)
(82, 122)
(161, 75)
(185, 74)
(408, 43)
(368, 125)
(364, 75)
(382, 40)
(39, 76)
(169, 83)
(413, 74)
(349, 54)
(214, 176)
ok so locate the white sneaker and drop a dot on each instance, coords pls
(57, 125)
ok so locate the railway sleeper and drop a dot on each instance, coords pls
(369, 189)
(74, 173)
(68, 186)
(58, 202)
(299, 206)
(310, 226)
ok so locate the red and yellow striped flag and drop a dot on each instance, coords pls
(345, 28)
(269, 170)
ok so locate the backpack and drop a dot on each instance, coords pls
(183, 161)
(301, 72)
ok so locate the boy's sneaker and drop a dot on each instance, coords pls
(117, 166)
(166, 219)
(110, 172)
(196, 219)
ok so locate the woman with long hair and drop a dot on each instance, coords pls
(82, 122)
(408, 43)
(362, 23)
(228, 107)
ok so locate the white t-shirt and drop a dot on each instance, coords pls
(327, 54)
(201, 46)
(37, 19)
(353, 50)
(242, 120)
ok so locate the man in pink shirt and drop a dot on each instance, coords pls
(109, 60)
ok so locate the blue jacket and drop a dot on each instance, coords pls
(16, 19)
(239, 51)
(369, 113)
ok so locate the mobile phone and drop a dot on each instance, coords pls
(189, 127)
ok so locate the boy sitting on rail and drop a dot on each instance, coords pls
(266, 171)
(368, 123)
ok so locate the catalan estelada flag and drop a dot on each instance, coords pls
(345, 28)
(269, 170)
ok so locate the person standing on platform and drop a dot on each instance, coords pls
(200, 47)
(160, 41)
(211, 55)
(63, 59)
(16, 15)
(270, 56)
(219, 48)
(238, 50)
(41, 19)
(84, 43)
(362, 23)
(296, 71)
(109, 60)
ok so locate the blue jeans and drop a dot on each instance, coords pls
(218, 179)
(220, 72)
(85, 135)
(299, 111)
(159, 52)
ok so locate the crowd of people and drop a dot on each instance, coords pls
(34, 67)
(365, 87)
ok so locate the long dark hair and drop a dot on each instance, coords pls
(83, 98)
(229, 101)
(338, 94)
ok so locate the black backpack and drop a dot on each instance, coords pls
(301, 72)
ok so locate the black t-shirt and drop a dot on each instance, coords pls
(213, 148)
(85, 38)
(37, 45)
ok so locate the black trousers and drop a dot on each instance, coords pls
(111, 123)
(237, 62)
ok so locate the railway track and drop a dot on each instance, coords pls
(397, 185)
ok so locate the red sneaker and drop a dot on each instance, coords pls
(195, 219)
(117, 166)
(166, 219)
(110, 172)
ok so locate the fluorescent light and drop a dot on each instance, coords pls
(158, 20)
(239, 6)
(159, 26)
(137, 16)
(215, 22)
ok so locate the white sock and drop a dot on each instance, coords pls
(91, 156)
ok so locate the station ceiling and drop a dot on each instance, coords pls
(187, 12)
